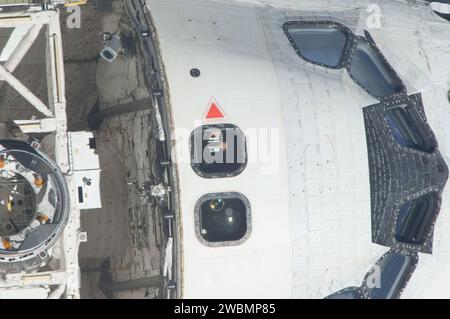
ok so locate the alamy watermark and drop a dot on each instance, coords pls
(373, 20)
(73, 21)
(223, 145)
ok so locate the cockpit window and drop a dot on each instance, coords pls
(347, 293)
(218, 151)
(332, 45)
(223, 219)
(414, 219)
(386, 278)
(407, 128)
(319, 43)
(389, 275)
(372, 73)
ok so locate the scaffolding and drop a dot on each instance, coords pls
(64, 281)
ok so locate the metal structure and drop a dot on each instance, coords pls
(112, 46)
(30, 19)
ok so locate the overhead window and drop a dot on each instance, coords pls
(407, 128)
(320, 43)
(415, 218)
(223, 219)
(218, 151)
(372, 73)
(389, 276)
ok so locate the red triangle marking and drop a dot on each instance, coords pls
(214, 112)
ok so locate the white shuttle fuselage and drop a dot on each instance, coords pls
(307, 178)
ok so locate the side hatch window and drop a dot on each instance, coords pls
(218, 151)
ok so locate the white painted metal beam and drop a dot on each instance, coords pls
(25, 92)
(14, 41)
(46, 125)
(15, 19)
(17, 55)
(67, 247)
(49, 278)
(56, 88)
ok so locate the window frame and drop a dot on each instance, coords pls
(224, 195)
